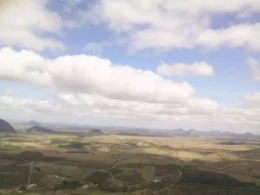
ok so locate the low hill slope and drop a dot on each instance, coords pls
(38, 129)
(32, 122)
(6, 127)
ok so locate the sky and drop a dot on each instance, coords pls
(143, 63)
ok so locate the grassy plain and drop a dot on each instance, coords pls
(117, 164)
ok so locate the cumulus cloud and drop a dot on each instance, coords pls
(96, 48)
(255, 68)
(23, 66)
(166, 24)
(7, 101)
(28, 109)
(252, 99)
(6, 92)
(102, 88)
(88, 86)
(241, 35)
(71, 2)
(25, 24)
(78, 106)
(90, 74)
(81, 107)
(246, 114)
(182, 69)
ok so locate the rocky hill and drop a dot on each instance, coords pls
(97, 131)
(38, 129)
(35, 123)
(6, 127)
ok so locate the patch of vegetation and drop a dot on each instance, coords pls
(98, 177)
(131, 178)
(131, 144)
(76, 144)
(148, 173)
(161, 170)
(68, 184)
(31, 155)
(199, 189)
(116, 171)
(231, 143)
(95, 165)
(134, 165)
(14, 175)
(207, 177)
(57, 141)
(151, 185)
(112, 186)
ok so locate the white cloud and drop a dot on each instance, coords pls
(24, 24)
(71, 24)
(23, 66)
(77, 106)
(6, 92)
(90, 74)
(246, 114)
(181, 69)
(71, 2)
(84, 108)
(241, 35)
(166, 24)
(103, 86)
(94, 88)
(28, 109)
(255, 67)
(96, 48)
(252, 99)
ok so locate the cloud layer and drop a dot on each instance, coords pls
(98, 83)
(26, 24)
(255, 68)
(181, 69)
(90, 74)
(88, 86)
(166, 24)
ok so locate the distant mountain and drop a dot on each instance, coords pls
(179, 132)
(6, 127)
(248, 134)
(38, 129)
(216, 133)
(192, 132)
(34, 123)
(96, 131)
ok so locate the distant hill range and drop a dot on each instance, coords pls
(34, 123)
(96, 131)
(216, 133)
(185, 133)
(38, 129)
(6, 127)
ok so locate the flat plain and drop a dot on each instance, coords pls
(120, 164)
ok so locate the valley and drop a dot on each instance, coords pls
(96, 162)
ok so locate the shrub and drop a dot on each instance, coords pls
(99, 178)
(31, 155)
(76, 144)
